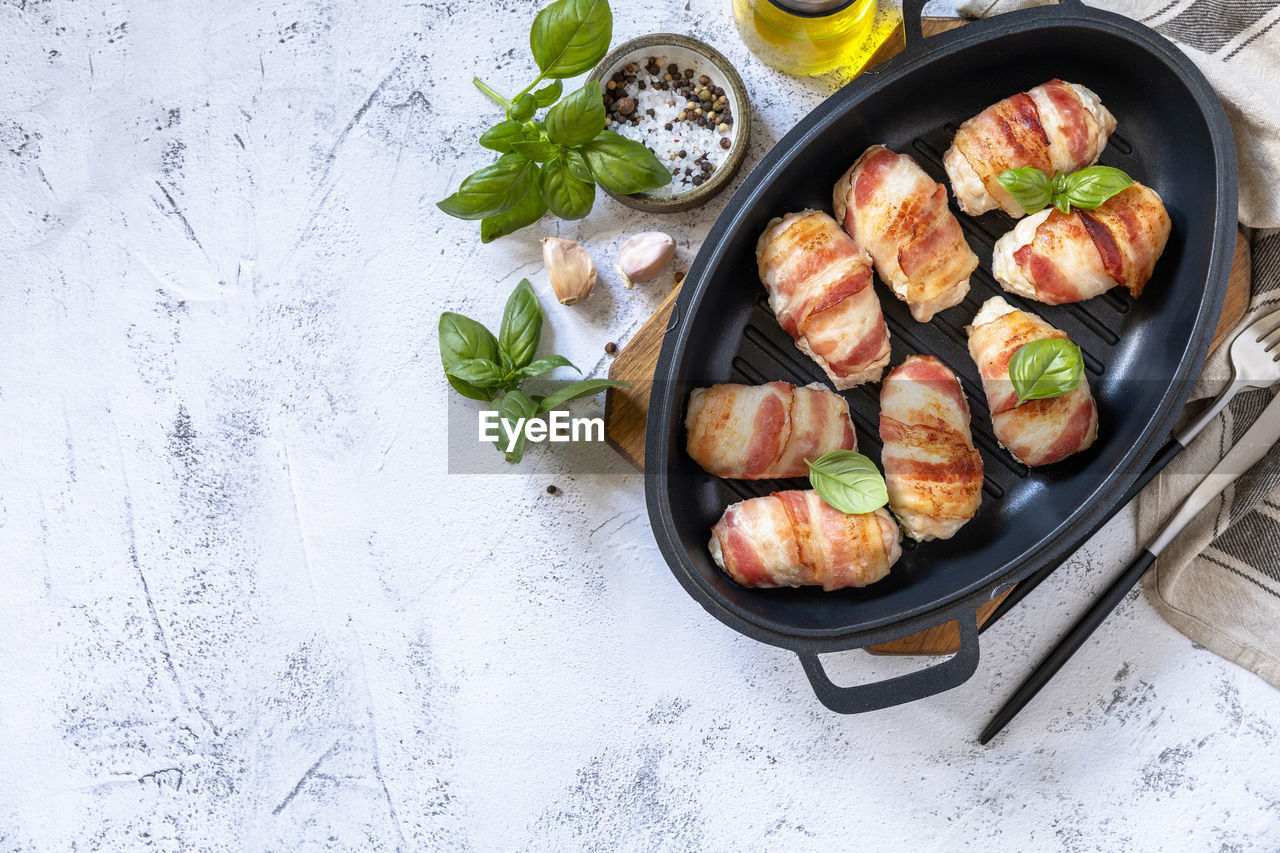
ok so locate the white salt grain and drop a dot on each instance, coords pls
(686, 142)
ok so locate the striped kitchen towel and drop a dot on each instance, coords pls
(1219, 582)
(1236, 43)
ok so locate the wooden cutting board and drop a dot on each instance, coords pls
(626, 409)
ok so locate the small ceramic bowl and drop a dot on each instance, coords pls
(703, 59)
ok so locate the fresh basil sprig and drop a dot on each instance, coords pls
(1029, 186)
(1086, 189)
(554, 163)
(848, 481)
(1047, 368)
(480, 366)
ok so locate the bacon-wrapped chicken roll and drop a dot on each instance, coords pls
(931, 467)
(899, 214)
(796, 539)
(756, 432)
(1039, 432)
(819, 285)
(1057, 257)
(1056, 127)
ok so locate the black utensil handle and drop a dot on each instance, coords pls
(904, 688)
(1069, 644)
(1163, 458)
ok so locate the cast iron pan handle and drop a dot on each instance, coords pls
(911, 12)
(913, 9)
(905, 688)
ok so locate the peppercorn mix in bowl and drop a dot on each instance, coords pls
(683, 100)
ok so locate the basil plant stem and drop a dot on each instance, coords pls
(488, 90)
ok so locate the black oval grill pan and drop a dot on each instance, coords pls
(1141, 356)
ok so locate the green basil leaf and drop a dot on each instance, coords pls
(548, 95)
(522, 108)
(578, 118)
(577, 165)
(623, 165)
(501, 135)
(514, 407)
(462, 338)
(466, 389)
(1089, 188)
(1049, 367)
(583, 388)
(480, 372)
(521, 325)
(492, 190)
(567, 194)
(1030, 187)
(543, 365)
(571, 36)
(539, 151)
(848, 481)
(526, 212)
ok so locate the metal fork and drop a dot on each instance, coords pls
(1255, 363)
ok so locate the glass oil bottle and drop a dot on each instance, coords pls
(812, 37)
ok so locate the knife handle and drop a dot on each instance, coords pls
(1069, 644)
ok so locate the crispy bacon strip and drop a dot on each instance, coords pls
(894, 210)
(1056, 127)
(1057, 257)
(931, 467)
(754, 432)
(1039, 432)
(819, 285)
(795, 539)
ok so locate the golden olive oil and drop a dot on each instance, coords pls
(810, 37)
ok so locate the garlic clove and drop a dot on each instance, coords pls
(643, 257)
(573, 274)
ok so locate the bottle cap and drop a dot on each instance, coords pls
(811, 8)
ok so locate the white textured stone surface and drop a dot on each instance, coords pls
(246, 607)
